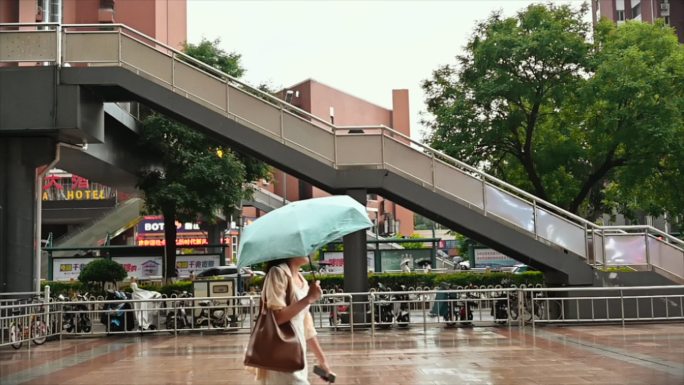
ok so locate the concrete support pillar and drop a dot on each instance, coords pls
(356, 262)
(20, 206)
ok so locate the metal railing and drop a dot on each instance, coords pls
(121, 46)
(33, 321)
(616, 304)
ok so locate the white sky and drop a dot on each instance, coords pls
(365, 48)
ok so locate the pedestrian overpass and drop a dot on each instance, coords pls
(69, 72)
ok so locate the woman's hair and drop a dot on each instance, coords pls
(275, 262)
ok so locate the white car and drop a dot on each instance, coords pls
(521, 268)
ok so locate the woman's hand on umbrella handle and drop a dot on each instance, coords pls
(315, 292)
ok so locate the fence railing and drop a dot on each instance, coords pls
(617, 304)
(33, 320)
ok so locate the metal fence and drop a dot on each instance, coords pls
(623, 304)
(28, 319)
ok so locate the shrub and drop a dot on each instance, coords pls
(64, 288)
(101, 271)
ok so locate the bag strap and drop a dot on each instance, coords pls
(288, 291)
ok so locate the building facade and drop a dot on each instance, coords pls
(619, 11)
(72, 203)
(164, 20)
(348, 111)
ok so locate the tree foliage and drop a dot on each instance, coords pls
(209, 52)
(192, 177)
(101, 271)
(412, 245)
(587, 125)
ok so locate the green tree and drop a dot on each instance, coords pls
(412, 245)
(192, 177)
(101, 271)
(632, 112)
(535, 102)
(209, 52)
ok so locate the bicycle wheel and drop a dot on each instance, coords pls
(39, 330)
(555, 310)
(514, 311)
(15, 334)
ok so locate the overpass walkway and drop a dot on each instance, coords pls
(116, 63)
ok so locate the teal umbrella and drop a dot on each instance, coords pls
(300, 228)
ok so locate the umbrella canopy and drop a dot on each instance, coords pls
(300, 228)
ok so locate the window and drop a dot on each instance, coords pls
(621, 15)
(636, 11)
(107, 4)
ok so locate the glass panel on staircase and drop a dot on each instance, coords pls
(562, 232)
(510, 208)
(625, 250)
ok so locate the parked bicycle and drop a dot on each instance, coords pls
(37, 329)
(76, 314)
(177, 316)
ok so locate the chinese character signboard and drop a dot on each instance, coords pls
(179, 242)
(65, 187)
(334, 261)
(195, 263)
(67, 269)
(492, 258)
(153, 224)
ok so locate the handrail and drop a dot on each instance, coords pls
(607, 288)
(482, 174)
(645, 227)
(279, 102)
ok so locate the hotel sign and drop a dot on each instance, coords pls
(74, 187)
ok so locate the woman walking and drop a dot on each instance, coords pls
(281, 274)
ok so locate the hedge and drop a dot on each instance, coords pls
(65, 287)
(68, 287)
(330, 281)
(431, 280)
(169, 289)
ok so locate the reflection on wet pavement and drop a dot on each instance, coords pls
(635, 354)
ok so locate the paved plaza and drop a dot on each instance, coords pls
(606, 354)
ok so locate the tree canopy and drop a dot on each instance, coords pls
(101, 271)
(587, 125)
(209, 52)
(191, 177)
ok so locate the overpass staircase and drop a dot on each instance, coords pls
(118, 64)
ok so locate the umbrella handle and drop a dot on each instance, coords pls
(312, 269)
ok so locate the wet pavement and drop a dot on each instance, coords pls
(604, 354)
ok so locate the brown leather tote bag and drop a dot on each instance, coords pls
(272, 346)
